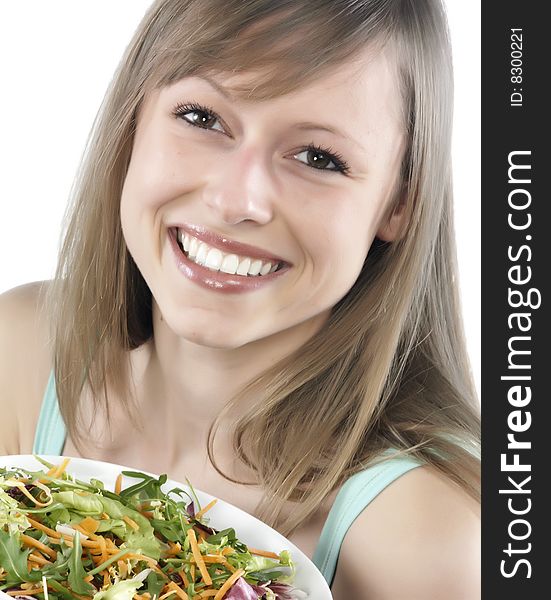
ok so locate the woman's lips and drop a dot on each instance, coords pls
(217, 280)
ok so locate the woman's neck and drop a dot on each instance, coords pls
(186, 384)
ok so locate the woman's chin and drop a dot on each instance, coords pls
(212, 333)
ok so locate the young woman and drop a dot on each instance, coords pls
(257, 287)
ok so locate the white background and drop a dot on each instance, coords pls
(56, 61)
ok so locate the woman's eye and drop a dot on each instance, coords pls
(198, 116)
(317, 158)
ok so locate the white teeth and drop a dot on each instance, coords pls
(230, 264)
(193, 246)
(243, 267)
(266, 268)
(201, 254)
(186, 242)
(254, 269)
(214, 259)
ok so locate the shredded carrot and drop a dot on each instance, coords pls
(106, 580)
(103, 548)
(68, 539)
(50, 532)
(198, 557)
(152, 562)
(31, 542)
(170, 593)
(85, 532)
(179, 591)
(220, 560)
(174, 548)
(206, 508)
(27, 585)
(25, 491)
(60, 469)
(207, 594)
(104, 515)
(118, 484)
(228, 566)
(136, 556)
(211, 559)
(90, 524)
(192, 573)
(228, 583)
(33, 566)
(183, 576)
(263, 553)
(52, 471)
(38, 558)
(131, 522)
(228, 550)
(201, 535)
(111, 544)
(89, 578)
(24, 592)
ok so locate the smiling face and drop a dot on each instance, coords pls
(268, 175)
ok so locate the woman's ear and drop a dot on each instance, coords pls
(393, 226)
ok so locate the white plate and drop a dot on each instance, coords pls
(248, 529)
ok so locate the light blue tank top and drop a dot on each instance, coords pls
(356, 493)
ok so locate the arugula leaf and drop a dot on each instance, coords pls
(264, 576)
(155, 584)
(218, 538)
(14, 559)
(76, 570)
(63, 591)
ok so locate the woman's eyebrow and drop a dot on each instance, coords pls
(306, 125)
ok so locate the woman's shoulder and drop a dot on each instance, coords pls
(25, 363)
(419, 538)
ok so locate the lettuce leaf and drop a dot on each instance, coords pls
(92, 505)
(10, 516)
(241, 590)
(123, 590)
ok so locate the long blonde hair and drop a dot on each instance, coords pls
(389, 368)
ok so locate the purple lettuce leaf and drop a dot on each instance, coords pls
(190, 509)
(241, 590)
(286, 592)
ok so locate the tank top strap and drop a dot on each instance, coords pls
(356, 493)
(50, 433)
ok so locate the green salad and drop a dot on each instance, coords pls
(66, 539)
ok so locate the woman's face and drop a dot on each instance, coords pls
(219, 170)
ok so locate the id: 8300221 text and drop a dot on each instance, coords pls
(516, 68)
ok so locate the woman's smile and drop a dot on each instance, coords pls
(211, 268)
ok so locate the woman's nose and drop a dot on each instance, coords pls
(242, 188)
